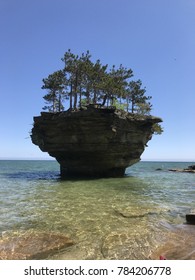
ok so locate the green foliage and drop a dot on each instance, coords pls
(118, 105)
(143, 108)
(55, 84)
(84, 82)
(136, 98)
(157, 129)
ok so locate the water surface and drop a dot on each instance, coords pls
(138, 216)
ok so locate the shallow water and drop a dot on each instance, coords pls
(134, 217)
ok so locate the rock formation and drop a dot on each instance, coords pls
(99, 142)
(189, 169)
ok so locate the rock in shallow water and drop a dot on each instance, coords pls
(32, 246)
(93, 142)
(125, 246)
(179, 246)
(190, 218)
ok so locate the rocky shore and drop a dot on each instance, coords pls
(189, 169)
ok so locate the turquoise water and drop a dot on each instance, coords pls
(134, 217)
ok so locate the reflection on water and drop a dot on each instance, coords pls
(134, 217)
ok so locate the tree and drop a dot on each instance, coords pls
(113, 84)
(55, 84)
(98, 73)
(86, 69)
(77, 70)
(157, 129)
(135, 95)
(83, 81)
(69, 70)
(143, 108)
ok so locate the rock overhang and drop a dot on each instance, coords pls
(93, 142)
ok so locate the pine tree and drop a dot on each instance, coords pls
(55, 84)
(85, 82)
(82, 81)
(135, 96)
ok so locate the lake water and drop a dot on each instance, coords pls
(139, 216)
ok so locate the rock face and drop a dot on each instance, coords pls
(93, 142)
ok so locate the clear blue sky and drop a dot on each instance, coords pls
(156, 38)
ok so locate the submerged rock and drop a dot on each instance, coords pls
(125, 246)
(94, 142)
(179, 245)
(32, 246)
(190, 218)
(136, 212)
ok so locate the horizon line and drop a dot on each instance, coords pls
(53, 159)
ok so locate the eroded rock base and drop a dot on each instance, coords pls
(93, 142)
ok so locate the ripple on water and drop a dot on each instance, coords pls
(135, 217)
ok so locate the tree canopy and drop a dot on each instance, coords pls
(83, 82)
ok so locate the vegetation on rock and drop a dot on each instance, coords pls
(83, 82)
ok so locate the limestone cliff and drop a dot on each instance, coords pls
(93, 142)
